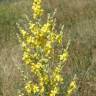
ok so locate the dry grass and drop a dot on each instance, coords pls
(9, 74)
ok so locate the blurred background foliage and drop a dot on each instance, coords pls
(79, 18)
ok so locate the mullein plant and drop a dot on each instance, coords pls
(44, 55)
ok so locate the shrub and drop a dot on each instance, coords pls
(44, 55)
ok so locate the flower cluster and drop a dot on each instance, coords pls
(71, 87)
(31, 88)
(40, 53)
(37, 10)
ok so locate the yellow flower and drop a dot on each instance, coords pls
(71, 88)
(48, 48)
(41, 84)
(37, 10)
(25, 55)
(46, 28)
(59, 38)
(64, 56)
(35, 29)
(58, 78)
(28, 87)
(28, 61)
(41, 89)
(23, 32)
(52, 37)
(29, 39)
(37, 1)
(36, 67)
(32, 27)
(54, 92)
(27, 49)
(23, 45)
(35, 88)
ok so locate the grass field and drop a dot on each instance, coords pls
(79, 18)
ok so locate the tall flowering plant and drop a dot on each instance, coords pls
(44, 55)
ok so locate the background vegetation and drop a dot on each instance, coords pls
(79, 18)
